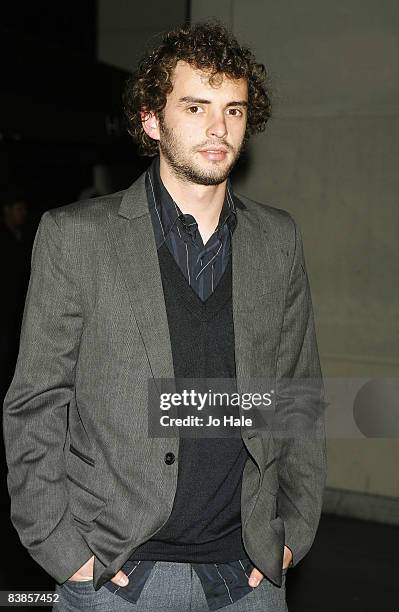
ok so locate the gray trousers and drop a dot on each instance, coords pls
(171, 587)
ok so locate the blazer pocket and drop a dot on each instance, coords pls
(83, 503)
(81, 455)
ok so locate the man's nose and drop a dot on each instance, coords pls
(217, 126)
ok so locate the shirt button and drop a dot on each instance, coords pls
(169, 458)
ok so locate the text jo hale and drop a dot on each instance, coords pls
(195, 421)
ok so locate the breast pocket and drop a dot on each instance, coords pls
(268, 311)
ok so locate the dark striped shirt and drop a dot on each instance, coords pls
(202, 265)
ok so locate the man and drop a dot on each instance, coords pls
(176, 277)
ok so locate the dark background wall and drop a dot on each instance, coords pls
(60, 109)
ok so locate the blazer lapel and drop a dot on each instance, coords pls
(133, 237)
(250, 281)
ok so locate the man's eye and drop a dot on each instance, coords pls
(235, 112)
(193, 109)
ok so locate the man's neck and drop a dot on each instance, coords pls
(203, 202)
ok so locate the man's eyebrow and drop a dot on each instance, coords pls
(193, 100)
(238, 103)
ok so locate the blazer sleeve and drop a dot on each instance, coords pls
(36, 404)
(302, 460)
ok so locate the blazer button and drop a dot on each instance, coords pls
(169, 458)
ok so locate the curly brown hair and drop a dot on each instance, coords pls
(208, 46)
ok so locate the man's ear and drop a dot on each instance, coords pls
(150, 124)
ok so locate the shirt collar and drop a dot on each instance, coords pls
(168, 213)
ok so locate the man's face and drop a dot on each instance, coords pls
(202, 127)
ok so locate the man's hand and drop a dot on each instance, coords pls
(287, 557)
(85, 573)
(256, 576)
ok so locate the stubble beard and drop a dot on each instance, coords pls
(186, 170)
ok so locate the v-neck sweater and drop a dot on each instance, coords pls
(205, 522)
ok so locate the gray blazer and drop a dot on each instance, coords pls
(94, 331)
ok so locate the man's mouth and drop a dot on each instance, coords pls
(214, 153)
